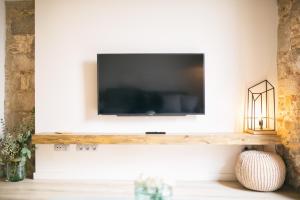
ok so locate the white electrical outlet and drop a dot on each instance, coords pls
(61, 147)
(86, 147)
(79, 147)
(94, 147)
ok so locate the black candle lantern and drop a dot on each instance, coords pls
(260, 117)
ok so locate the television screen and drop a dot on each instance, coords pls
(150, 84)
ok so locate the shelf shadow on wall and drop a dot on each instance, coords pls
(90, 90)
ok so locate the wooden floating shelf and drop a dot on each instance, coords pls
(261, 132)
(216, 139)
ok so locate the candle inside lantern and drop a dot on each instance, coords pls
(260, 122)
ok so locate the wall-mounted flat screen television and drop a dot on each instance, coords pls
(151, 84)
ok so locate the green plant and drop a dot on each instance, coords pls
(152, 189)
(16, 145)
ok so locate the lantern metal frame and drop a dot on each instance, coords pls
(259, 101)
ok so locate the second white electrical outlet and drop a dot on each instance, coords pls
(86, 147)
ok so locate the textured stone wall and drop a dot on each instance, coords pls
(19, 62)
(289, 86)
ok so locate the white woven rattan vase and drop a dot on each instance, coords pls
(260, 171)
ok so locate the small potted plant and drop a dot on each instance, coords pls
(16, 148)
(151, 188)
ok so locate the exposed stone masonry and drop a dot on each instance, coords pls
(19, 62)
(289, 86)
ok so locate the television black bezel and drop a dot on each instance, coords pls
(145, 114)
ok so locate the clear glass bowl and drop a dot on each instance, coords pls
(153, 193)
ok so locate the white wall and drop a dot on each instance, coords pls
(2, 58)
(239, 41)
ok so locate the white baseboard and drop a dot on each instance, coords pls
(60, 175)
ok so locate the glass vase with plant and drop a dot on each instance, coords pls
(151, 188)
(16, 148)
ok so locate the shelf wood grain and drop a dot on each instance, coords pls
(215, 139)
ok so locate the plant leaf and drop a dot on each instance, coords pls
(18, 159)
(28, 154)
(24, 151)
